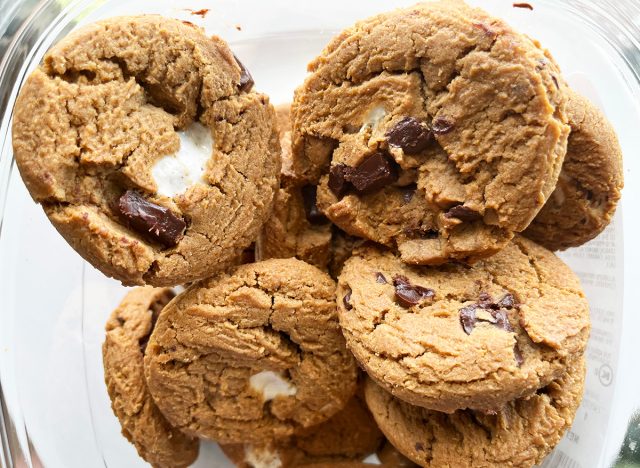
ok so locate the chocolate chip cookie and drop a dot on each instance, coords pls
(128, 330)
(144, 143)
(350, 435)
(436, 129)
(455, 337)
(520, 434)
(590, 182)
(251, 355)
(296, 228)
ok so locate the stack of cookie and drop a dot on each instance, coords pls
(405, 301)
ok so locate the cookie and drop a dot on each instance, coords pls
(251, 355)
(389, 456)
(295, 228)
(349, 436)
(342, 247)
(128, 330)
(436, 129)
(149, 152)
(283, 118)
(590, 182)
(455, 337)
(519, 435)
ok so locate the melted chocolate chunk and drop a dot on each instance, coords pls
(507, 301)
(407, 294)
(380, 278)
(463, 213)
(155, 222)
(337, 179)
(246, 80)
(468, 318)
(309, 194)
(523, 5)
(408, 192)
(411, 135)
(499, 312)
(442, 125)
(501, 320)
(485, 300)
(374, 173)
(346, 300)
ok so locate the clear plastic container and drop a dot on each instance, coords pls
(54, 407)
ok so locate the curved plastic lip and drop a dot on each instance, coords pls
(30, 27)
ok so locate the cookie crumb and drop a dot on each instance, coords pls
(528, 6)
(201, 13)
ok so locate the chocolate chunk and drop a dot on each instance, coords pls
(485, 300)
(555, 81)
(407, 294)
(155, 222)
(419, 447)
(498, 310)
(374, 173)
(309, 194)
(463, 213)
(337, 179)
(517, 354)
(246, 80)
(411, 135)
(507, 301)
(523, 5)
(380, 278)
(346, 300)
(502, 320)
(442, 125)
(468, 318)
(408, 192)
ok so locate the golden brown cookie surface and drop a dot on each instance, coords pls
(251, 355)
(454, 337)
(143, 424)
(142, 140)
(348, 436)
(519, 435)
(435, 129)
(590, 182)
